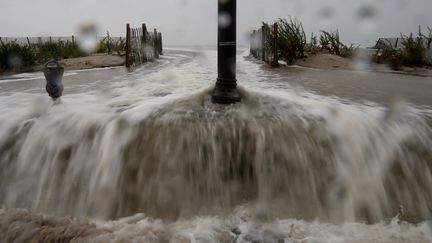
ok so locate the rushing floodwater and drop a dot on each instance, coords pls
(146, 156)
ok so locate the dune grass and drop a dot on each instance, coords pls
(14, 56)
(292, 43)
(109, 45)
(414, 51)
(330, 41)
(57, 50)
(291, 39)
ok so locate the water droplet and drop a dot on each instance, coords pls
(87, 40)
(325, 16)
(401, 4)
(326, 13)
(362, 60)
(367, 15)
(14, 61)
(224, 20)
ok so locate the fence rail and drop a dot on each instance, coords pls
(142, 46)
(263, 44)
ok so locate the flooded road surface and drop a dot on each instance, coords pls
(359, 86)
(144, 156)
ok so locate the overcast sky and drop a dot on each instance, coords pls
(194, 22)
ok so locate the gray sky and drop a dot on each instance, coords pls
(194, 22)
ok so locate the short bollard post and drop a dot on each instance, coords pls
(54, 74)
(225, 91)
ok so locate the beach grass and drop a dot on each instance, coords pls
(330, 41)
(413, 53)
(18, 57)
(109, 45)
(57, 50)
(291, 39)
(13, 56)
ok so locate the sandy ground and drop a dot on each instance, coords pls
(329, 61)
(325, 61)
(79, 63)
(93, 61)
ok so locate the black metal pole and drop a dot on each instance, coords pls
(225, 91)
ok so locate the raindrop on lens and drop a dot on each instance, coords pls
(14, 61)
(224, 20)
(366, 16)
(326, 15)
(362, 60)
(87, 40)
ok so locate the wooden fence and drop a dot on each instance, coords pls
(263, 44)
(142, 46)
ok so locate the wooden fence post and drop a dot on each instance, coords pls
(254, 43)
(263, 43)
(128, 45)
(155, 45)
(144, 41)
(28, 42)
(251, 42)
(312, 39)
(275, 62)
(160, 43)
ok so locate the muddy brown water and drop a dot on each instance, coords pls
(145, 156)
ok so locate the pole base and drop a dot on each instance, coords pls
(225, 96)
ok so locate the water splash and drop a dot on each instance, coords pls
(238, 227)
(153, 147)
(87, 41)
(190, 157)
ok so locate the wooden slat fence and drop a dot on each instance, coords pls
(142, 46)
(264, 44)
